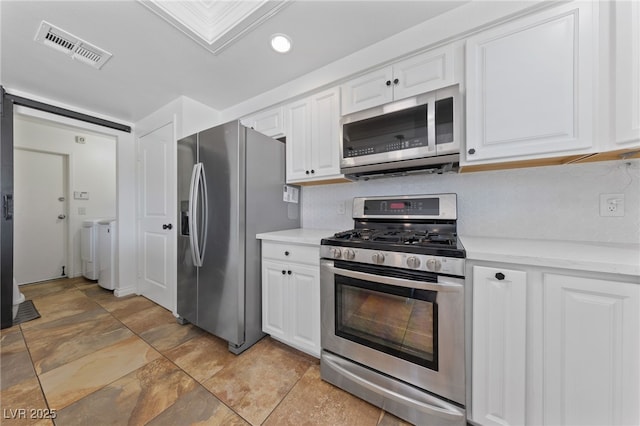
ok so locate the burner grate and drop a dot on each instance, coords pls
(414, 238)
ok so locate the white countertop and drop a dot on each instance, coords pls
(584, 256)
(305, 236)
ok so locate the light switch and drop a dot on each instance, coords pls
(80, 195)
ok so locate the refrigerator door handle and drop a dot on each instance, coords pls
(205, 219)
(193, 214)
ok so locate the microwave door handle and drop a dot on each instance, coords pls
(431, 123)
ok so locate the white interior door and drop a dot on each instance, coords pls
(40, 221)
(157, 213)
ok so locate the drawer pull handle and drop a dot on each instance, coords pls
(284, 272)
(289, 272)
(286, 253)
(500, 276)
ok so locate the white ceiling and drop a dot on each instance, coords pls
(154, 63)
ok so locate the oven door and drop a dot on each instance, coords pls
(405, 324)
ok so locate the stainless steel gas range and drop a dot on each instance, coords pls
(392, 307)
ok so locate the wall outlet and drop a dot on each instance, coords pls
(612, 205)
(341, 207)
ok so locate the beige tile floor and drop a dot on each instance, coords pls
(95, 359)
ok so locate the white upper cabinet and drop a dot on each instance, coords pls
(627, 73)
(269, 122)
(530, 86)
(313, 138)
(298, 140)
(419, 74)
(368, 91)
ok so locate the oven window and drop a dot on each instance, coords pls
(401, 322)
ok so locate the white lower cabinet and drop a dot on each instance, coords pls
(291, 295)
(499, 350)
(591, 358)
(554, 346)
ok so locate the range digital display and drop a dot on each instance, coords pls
(392, 207)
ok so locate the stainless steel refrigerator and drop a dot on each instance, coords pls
(230, 188)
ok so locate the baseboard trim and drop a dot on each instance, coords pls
(126, 291)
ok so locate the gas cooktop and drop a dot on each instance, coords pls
(415, 232)
(405, 241)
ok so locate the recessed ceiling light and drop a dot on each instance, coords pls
(280, 43)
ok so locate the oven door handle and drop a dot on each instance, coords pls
(434, 407)
(444, 284)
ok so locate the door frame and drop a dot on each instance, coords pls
(68, 179)
(125, 199)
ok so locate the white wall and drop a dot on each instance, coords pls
(555, 202)
(92, 169)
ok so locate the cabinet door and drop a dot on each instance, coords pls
(270, 123)
(305, 309)
(530, 86)
(367, 91)
(298, 115)
(627, 74)
(325, 131)
(591, 357)
(424, 73)
(274, 320)
(499, 351)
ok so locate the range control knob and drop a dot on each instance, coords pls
(378, 258)
(336, 252)
(434, 265)
(349, 254)
(413, 262)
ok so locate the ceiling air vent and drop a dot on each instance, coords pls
(65, 42)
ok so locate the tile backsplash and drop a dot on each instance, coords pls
(554, 202)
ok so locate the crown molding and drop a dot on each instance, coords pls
(215, 24)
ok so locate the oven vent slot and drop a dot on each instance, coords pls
(67, 43)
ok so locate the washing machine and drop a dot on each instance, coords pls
(107, 277)
(89, 249)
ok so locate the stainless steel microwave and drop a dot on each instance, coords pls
(423, 132)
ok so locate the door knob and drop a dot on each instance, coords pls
(167, 226)
(62, 216)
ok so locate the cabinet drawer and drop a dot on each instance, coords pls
(291, 252)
